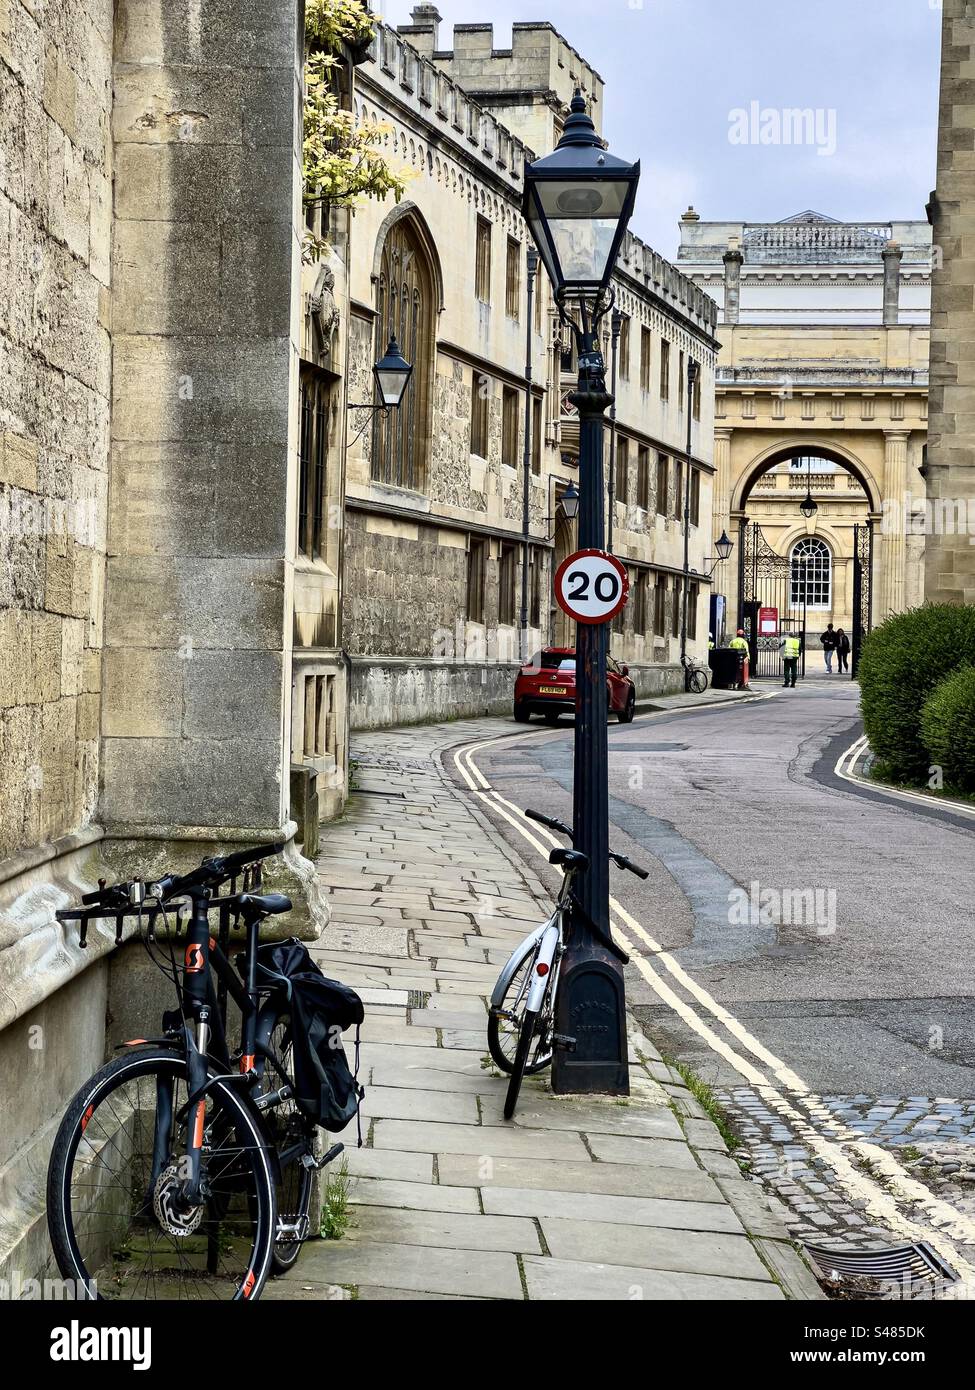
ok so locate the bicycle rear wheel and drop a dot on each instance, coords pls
(698, 681)
(117, 1225)
(294, 1137)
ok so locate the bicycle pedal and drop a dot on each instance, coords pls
(310, 1161)
(563, 1040)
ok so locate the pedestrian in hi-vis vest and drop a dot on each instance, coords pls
(739, 643)
(790, 647)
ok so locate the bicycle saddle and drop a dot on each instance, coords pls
(569, 859)
(264, 904)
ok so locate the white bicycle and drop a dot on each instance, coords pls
(521, 1018)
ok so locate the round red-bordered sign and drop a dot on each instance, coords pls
(591, 586)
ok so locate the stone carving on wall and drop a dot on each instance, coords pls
(324, 312)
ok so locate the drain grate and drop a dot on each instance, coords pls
(417, 998)
(911, 1270)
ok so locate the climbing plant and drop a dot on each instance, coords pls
(343, 159)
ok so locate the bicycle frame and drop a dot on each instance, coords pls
(549, 937)
(204, 1031)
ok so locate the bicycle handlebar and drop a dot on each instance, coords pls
(563, 829)
(552, 824)
(123, 899)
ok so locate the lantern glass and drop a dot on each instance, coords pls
(392, 373)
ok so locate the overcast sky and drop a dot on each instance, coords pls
(676, 70)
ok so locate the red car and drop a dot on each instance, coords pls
(546, 685)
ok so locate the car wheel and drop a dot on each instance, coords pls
(522, 713)
(626, 714)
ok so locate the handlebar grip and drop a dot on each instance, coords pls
(114, 896)
(547, 821)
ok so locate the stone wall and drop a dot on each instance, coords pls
(387, 692)
(55, 372)
(55, 359)
(199, 611)
(950, 558)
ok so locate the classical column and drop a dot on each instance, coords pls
(892, 255)
(720, 509)
(733, 259)
(949, 557)
(894, 532)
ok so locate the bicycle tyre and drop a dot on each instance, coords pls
(228, 1114)
(529, 1023)
(698, 681)
(504, 1061)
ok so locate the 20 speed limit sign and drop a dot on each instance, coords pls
(591, 586)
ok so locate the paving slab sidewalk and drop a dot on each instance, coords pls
(574, 1199)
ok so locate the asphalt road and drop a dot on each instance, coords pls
(872, 991)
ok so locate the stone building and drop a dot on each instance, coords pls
(150, 340)
(178, 397)
(822, 385)
(434, 494)
(950, 555)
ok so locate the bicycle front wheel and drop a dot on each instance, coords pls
(699, 681)
(526, 1040)
(118, 1225)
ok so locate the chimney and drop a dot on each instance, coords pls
(733, 259)
(427, 17)
(892, 255)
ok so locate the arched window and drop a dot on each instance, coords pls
(812, 574)
(405, 309)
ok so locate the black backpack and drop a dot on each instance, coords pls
(326, 1091)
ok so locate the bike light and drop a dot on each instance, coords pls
(541, 968)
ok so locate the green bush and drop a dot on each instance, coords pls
(902, 661)
(948, 728)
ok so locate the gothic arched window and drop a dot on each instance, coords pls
(812, 574)
(405, 309)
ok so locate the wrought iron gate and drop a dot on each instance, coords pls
(764, 581)
(862, 590)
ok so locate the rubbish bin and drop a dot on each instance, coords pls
(724, 663)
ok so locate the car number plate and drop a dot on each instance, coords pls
(553, 690)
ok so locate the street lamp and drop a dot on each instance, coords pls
(392, 376)
(577, 204)
(569, 502)
(724, 546)
(392, 373)
(808, 505)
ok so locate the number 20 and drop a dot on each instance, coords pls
(606, 587)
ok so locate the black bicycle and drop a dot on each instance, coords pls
(183, 1169)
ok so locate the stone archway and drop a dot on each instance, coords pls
(850, 498)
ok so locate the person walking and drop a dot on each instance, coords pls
(828, 640)
(790, 647)
(842, 650)
(739, 643)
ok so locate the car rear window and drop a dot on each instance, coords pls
(553, 661)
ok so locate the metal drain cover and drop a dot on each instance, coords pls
(896, 1271)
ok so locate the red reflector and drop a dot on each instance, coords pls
(542, 968)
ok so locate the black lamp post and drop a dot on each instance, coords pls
(577, 203)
